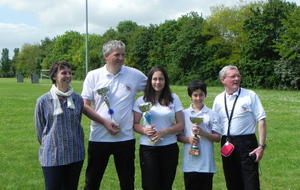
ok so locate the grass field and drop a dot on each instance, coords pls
(20, 169)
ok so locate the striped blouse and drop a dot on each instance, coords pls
(61, 136)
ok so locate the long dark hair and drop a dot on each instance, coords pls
(165, 97)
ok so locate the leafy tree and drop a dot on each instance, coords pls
(288, 68)
(14, 60)
(46, 48)
(125, 29)
(264, 29)
(95, 52)
(288, 74)
(228, 36)
(288, 45)
(139, 47)
(5, 63)
(68, 47)
(27, 62)
(188, 51)
(163, 37)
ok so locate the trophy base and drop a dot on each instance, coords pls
(116, 128)
(151, 142)
(194, 152)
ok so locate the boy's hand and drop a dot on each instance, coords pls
(193, 141)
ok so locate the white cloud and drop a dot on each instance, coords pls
(15, 35)
(49, 18)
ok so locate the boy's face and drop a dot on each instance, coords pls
(198, 97)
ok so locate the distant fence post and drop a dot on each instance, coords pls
(34, 78)
(20, 78)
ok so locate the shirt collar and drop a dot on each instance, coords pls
(203, 110)
(119, 73)
(236, 93)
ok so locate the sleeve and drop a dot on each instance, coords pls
(142, 81)
(216, 127)
(259, 112)
(87, 89)
(39, 119)
(177, 103)
(138, 101)
(81, 105)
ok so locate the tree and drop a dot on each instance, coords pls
(264, 29)
(6, 63)
(95, 52)
(227, 34)
(188, 51)
(14, 60)
(139, 48)
(160, 46)
(46, 48)
(70, 47)
(125, 29)
(27, 62)
(288, 45)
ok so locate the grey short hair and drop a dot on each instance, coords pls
(111, 45)
(223, 72)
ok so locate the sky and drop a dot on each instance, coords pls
(30, 21)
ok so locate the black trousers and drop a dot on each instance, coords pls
(158, 166)
(241, 172)
(198, 181)
(99, 153)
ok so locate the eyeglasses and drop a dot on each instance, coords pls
(234, 76)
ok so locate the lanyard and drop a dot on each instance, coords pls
(231, 114)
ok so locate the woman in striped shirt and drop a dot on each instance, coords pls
(60, 134)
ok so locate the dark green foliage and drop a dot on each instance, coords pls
(261, 38)
(5, 63)
(138, 49)
(288, 73)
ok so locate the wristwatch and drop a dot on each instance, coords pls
(263, 145)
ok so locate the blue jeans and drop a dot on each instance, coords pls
(64, 177)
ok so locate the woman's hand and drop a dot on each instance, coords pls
(149, 131)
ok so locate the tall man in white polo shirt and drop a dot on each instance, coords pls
(240, 110)
(106, 137)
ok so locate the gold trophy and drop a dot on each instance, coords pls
(194, 150)
(103, 92)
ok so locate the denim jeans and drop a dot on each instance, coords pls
(64, 177)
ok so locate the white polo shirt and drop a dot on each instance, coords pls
(123, 88)
(162, 117)
(247, 112)
(205, 162)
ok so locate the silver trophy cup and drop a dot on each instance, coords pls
(145, 108)
(194, 150)
(103, 92)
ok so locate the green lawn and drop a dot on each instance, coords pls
(20, 169)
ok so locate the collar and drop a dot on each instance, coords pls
(236, 93)
(107, 73)
(203, 110)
